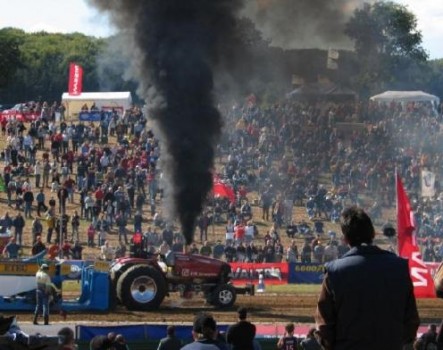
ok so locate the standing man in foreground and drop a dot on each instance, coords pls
(44, 287)
(241, 334)
(367, 299)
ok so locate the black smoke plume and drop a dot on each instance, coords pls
(303, 24)
(174, 46)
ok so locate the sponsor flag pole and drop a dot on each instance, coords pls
(407, 246)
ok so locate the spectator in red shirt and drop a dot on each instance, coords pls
(239, 233)
(99, 195)
(66, 250)
(91, 235)
(54, 250)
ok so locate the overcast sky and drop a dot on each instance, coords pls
(67, 16)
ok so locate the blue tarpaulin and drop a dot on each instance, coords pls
(137, 332)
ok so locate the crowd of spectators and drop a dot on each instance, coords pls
(318, 155)
(325, 156)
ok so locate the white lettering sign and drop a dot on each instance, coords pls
(418, 274)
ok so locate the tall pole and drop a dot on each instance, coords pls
(213, 218)
(60, 234)
(62, 211)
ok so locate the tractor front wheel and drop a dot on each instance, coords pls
(141, 288)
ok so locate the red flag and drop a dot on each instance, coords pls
(407, 247)
(222, 190)
(75, 79)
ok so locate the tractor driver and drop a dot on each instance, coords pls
(44, 292)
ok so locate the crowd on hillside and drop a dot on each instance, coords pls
(319, 155)
(325, 156)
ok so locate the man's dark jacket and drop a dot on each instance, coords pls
(169, 343)
(241, 335)
(367, 302)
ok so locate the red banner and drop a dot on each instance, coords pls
(75, 79)
(28, 117)
(407, 247)
(222, 190)
(273, 273)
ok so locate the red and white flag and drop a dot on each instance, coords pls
(407, 246)
(75, 79)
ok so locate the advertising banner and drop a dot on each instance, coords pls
(304, 273)
(22, 117)
(427, 183)
(184, 332)
(273, 273)
(93, 116)
(75, 79)
(408, 247)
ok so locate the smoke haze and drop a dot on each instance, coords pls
(174, 46)
(301, 24)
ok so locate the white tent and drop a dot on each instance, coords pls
(108, 100)
(405, 96)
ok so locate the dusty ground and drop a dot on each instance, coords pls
(264, 308)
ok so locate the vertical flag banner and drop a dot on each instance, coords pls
(407, 246)
(75, 79)
(427, 183)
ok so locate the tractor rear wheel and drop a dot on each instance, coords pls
(141, 288)
(223, 296)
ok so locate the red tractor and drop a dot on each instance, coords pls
(141, 283)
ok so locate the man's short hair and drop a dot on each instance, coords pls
(66, 335)
(290, 327)
(242, 313)
(357, 226)
(100, 342)
(204, 324)
(170, 330)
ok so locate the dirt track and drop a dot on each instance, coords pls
(264, 308)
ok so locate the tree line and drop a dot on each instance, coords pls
(388, 54)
